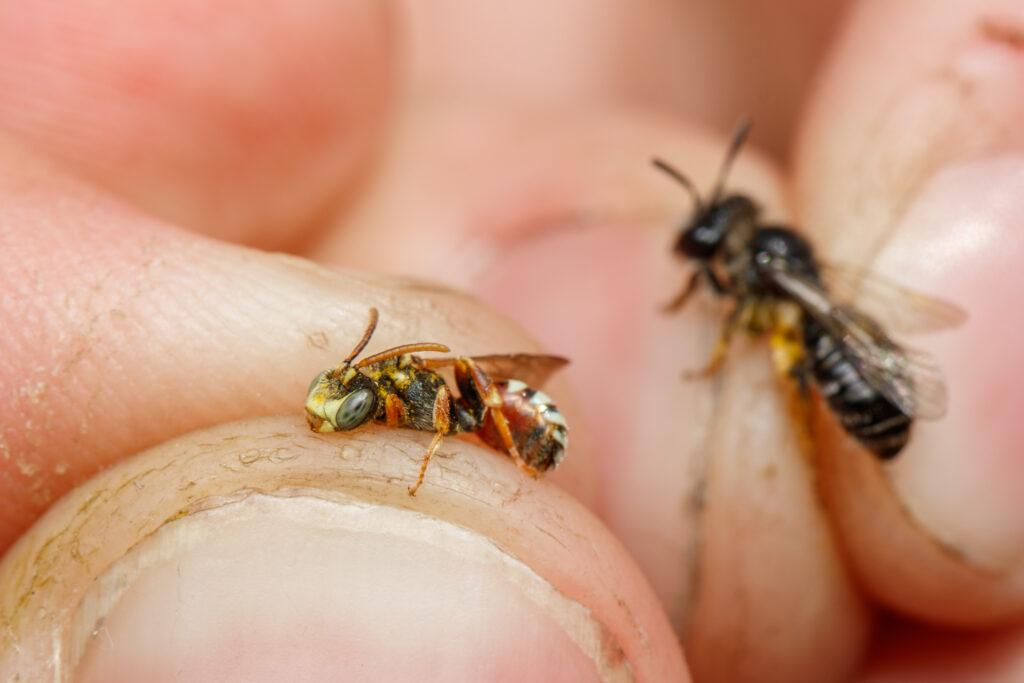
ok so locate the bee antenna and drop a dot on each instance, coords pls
(682, 180)
(739, 136)
(366, 338)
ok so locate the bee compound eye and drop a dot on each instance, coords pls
(354, 409)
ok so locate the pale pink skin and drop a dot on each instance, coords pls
(142, 148)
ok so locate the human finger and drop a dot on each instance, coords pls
(560, 221)
(909, 163)
(706, 63)
(259, 549)
(247, 125)
(123, 332)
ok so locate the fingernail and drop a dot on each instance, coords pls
(260, 550)
(280, 588)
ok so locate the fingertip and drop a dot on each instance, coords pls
(937, 532)
(258, 545)
(905, 92)
(123, 332)
(908, 163)
(961, 475)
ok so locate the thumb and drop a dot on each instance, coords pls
(251, 550)
(122, 332)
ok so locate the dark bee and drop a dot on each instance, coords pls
(874, 386)
(399, 389)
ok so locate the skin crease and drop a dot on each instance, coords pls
(526, 177)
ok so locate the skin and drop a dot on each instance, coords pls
(134, 314)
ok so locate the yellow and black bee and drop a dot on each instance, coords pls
(399, 389)
(875, 386)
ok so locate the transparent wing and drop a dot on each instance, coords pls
(894, 306)
(909, 378)
(532, 369)
(927, 399)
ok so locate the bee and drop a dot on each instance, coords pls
(399, 389)
(874, 386)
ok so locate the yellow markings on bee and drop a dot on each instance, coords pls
(315, 405)
(326, 410)
(786, 343)
(787, 314)
(761, 317)
(788, 353)
(493, 398)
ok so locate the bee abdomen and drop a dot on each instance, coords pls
(864, 413)
(537, 426)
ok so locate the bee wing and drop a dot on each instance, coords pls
(909, 378)
(923, 384)
(894, 306)
(532, 369)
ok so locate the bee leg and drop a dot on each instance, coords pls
(739, 317)
(506, 437)
(677, 302)
(713, 280)
(799, 408)
(474, 382)
(801, 374)
(691, 286)
(442, 423)
(791, 361)
(394, 407)
(787, 344)
(426, 459)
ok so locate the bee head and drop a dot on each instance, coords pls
(707, 230)
(340, 399)
(343, 398)
(715, 218)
